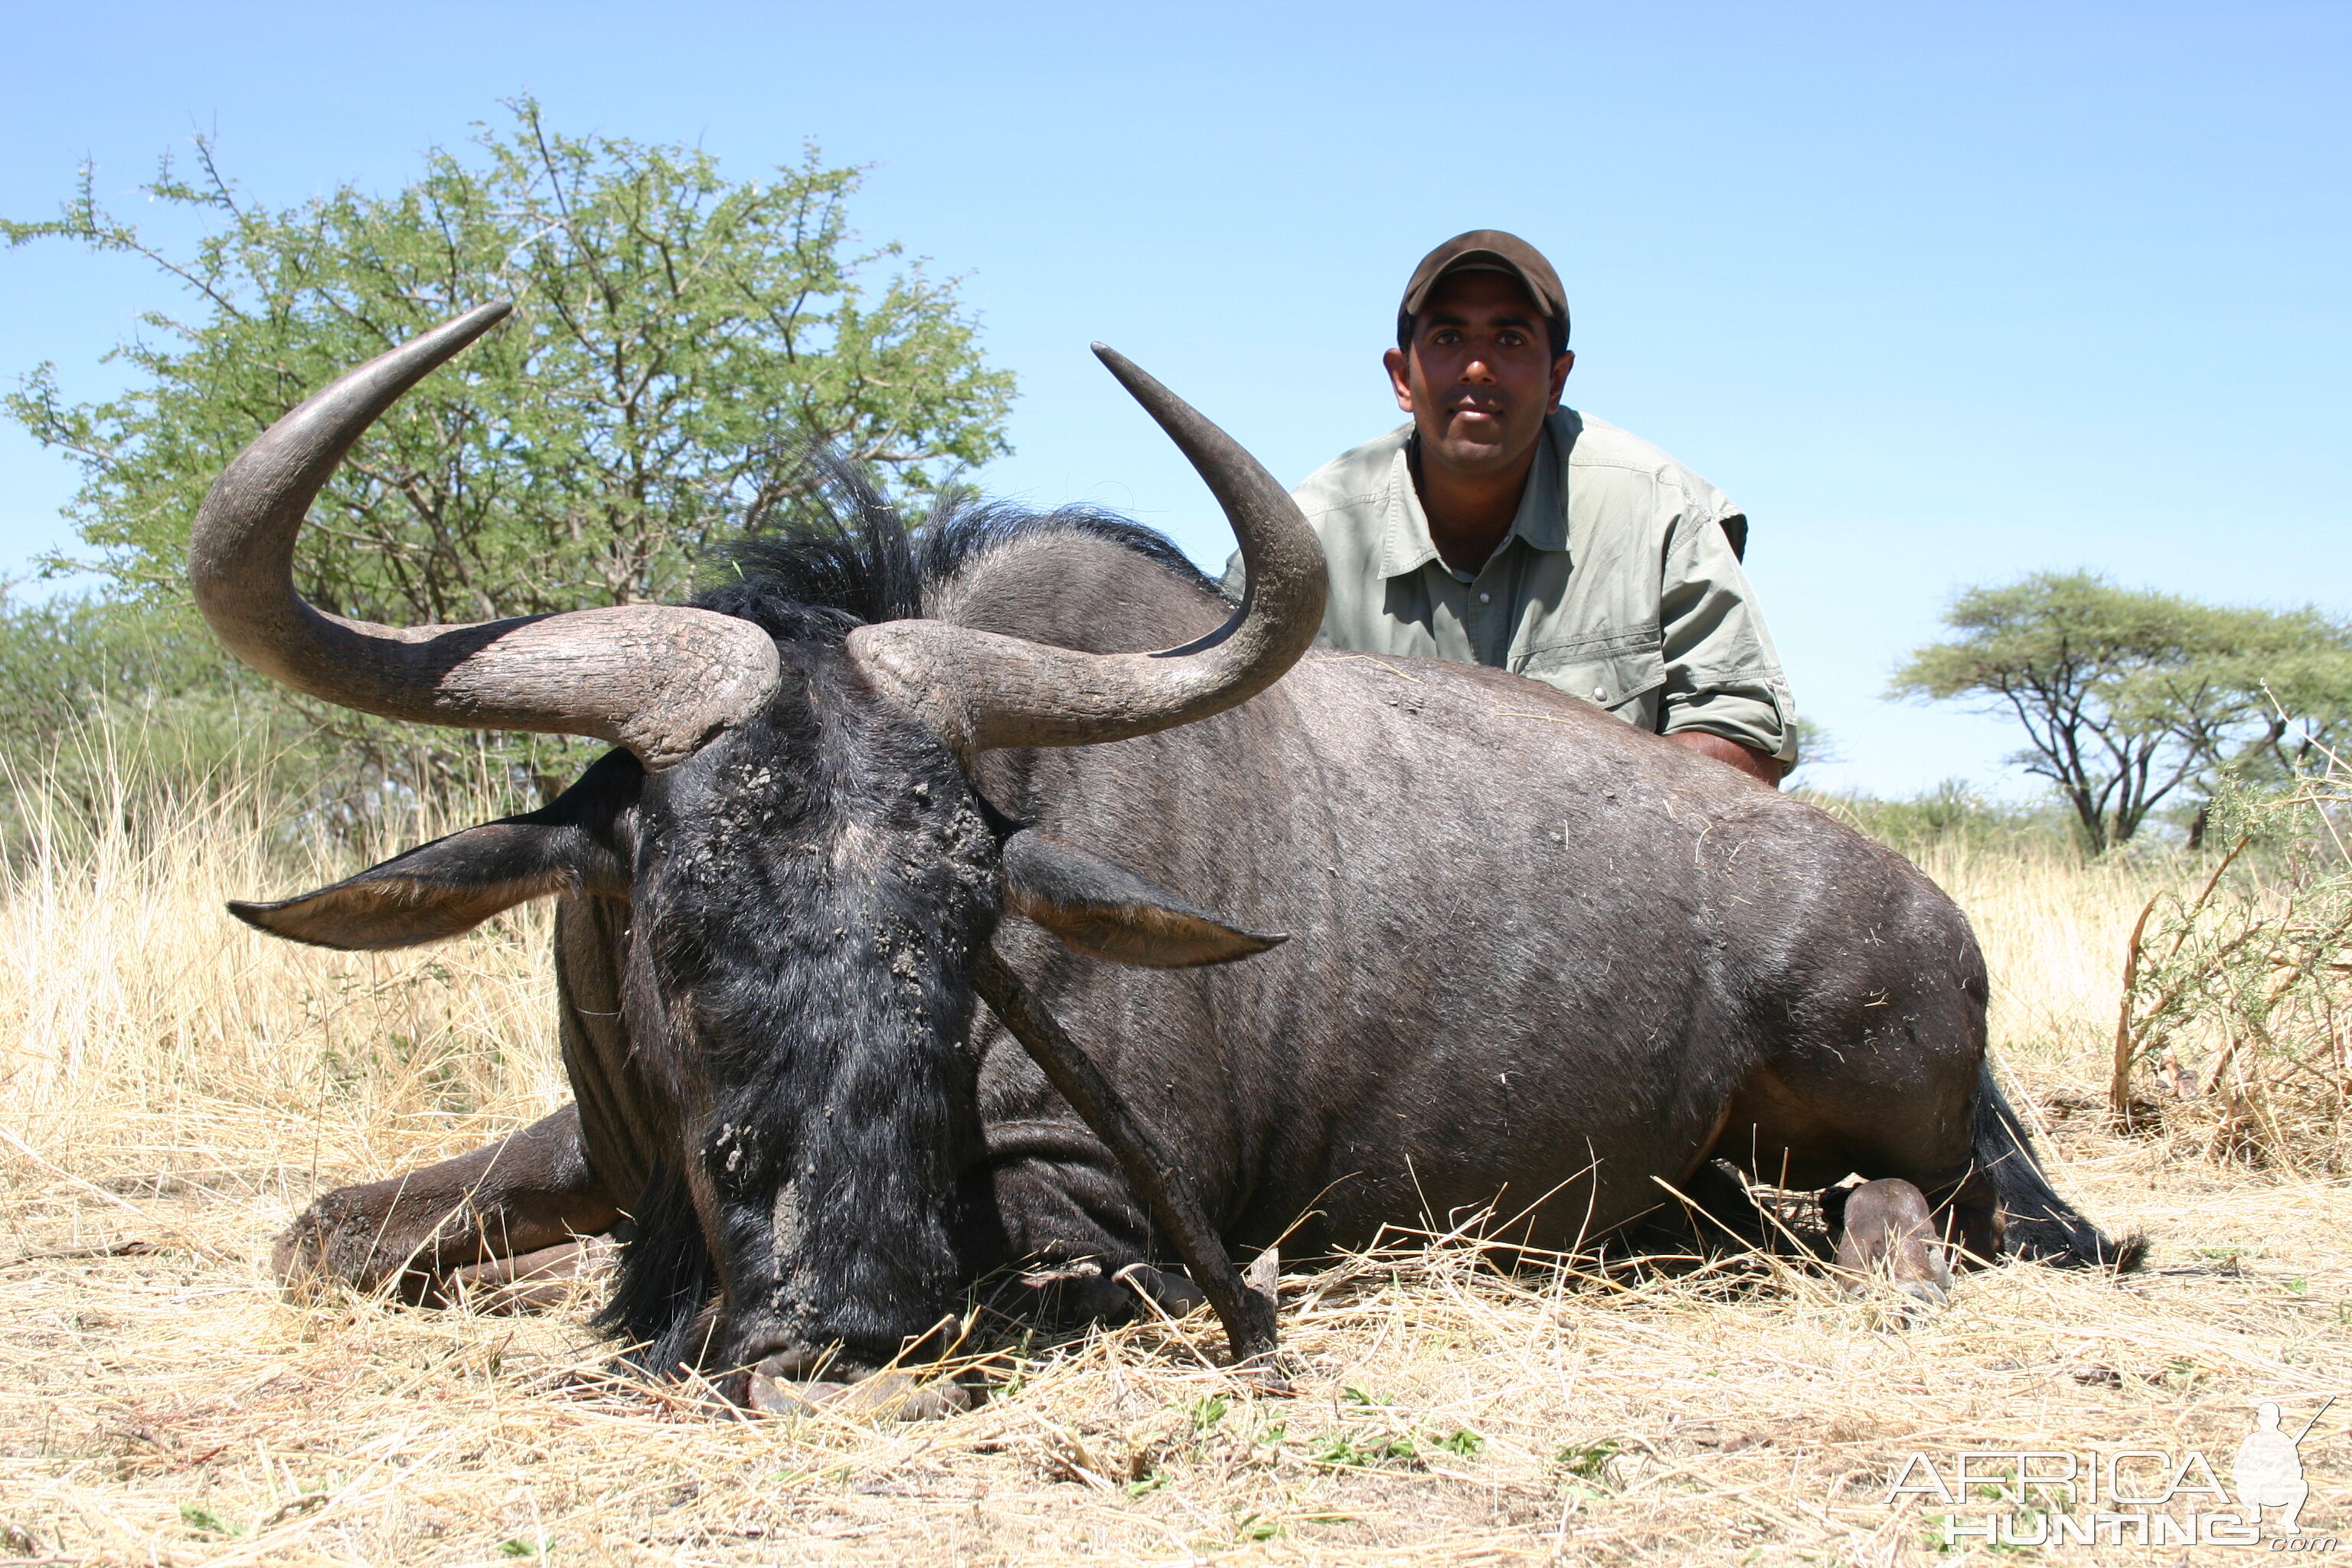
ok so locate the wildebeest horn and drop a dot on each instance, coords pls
(659, 680)
(981, 690)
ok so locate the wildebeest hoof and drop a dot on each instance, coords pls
(897, 1396)
(1171, 1292)
(1926, 1295)
(532, 1282)
(341, 1239)
(1927, 1292)
(1063, 1274)
(1073, 1292)
(884, 1396)
(1886, 1231)
(361, 1239)
(765, 1396)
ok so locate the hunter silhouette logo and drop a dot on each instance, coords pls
(2269, 1471)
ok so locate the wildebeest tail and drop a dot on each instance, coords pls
(666, 1280)
(2042, 1225)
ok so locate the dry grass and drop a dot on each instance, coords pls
(176, 1085)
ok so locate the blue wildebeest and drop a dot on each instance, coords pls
(1538, 962)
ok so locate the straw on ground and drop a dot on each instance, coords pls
(176, 1085)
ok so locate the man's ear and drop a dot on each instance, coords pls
(448, 887)
(1106, 910)
(1399, 364)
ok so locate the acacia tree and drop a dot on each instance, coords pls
(2128, 695)
(678, 339)
(681, 342)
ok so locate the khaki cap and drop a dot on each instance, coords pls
(1485, 251)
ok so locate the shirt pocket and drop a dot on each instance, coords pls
(1624, 672)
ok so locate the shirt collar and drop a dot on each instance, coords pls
(1541, 520)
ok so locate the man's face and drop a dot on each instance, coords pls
(1480, 375)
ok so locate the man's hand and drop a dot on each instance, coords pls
(1764, 770)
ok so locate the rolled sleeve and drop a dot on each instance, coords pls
(1723, 677)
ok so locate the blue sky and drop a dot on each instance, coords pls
(1941, 294)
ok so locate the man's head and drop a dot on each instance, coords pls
(1482, 351)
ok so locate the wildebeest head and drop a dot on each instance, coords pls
(807, 869)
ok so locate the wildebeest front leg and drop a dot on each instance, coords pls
(524, 1194)
(564, 1176)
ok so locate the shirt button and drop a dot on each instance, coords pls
(1600, 694)
(1486, 598)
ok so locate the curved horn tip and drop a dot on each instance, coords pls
(470, 324)
(1140, 384)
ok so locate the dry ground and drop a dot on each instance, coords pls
(174, 1088)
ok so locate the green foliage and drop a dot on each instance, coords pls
(2127, 696)
(1952, 815)
(678, 339)
(1587, 1461)
(1814, 747)
(198, 1517)
(118, 708)
(1375, 1435)
(680, 342)
(2241, 994)
(1357, 1450)
(114, 706)
(63, 660)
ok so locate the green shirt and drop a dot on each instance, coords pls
(1617, 584)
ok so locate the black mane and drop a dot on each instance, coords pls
(849, 557)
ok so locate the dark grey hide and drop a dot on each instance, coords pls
(1538, 962)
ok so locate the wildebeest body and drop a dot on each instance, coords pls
(1539, 963)
(1537, 955)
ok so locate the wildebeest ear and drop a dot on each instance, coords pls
(1106, 910)
(450, 886)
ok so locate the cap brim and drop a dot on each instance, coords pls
(1481, 261)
